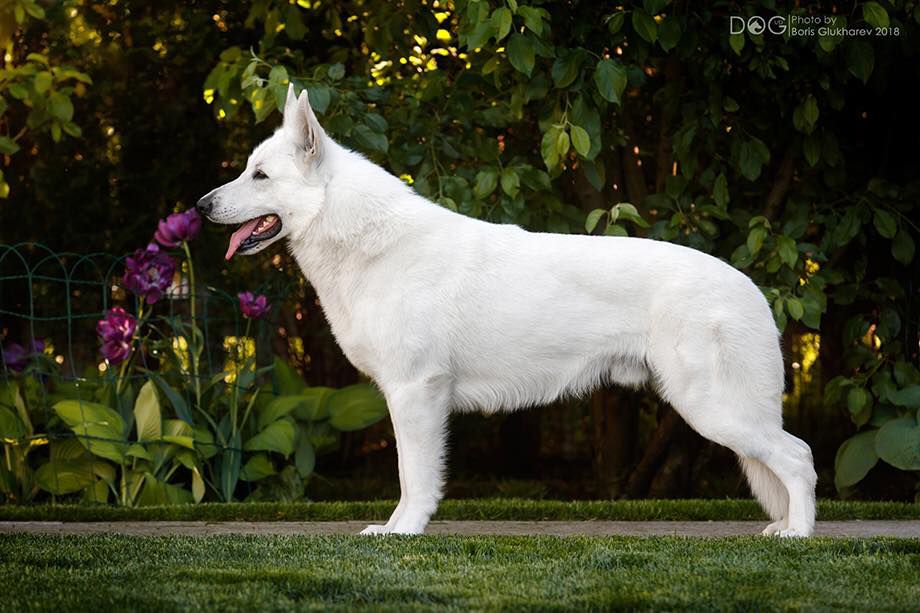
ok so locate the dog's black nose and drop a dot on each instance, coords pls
(205, 205)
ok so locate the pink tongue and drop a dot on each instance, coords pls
(240, 235)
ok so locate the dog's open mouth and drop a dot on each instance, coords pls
(252, 233)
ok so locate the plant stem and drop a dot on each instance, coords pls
(193, 346)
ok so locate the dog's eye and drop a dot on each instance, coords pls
(258, 175)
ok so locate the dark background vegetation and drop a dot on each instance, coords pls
(794, 158)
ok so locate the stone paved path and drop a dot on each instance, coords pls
(556, 528)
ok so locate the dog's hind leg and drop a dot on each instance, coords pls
(738, 405)
(419, 414)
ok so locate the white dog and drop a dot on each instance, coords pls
(445, 312)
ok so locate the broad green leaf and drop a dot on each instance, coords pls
(788, 250)
(158, 493)
(581, 141)
(369, 139)
(147, 416)
(857, 400)
(486, 182)
(198, 488)
(286, 380)
(175, 399)
(356, 407)
(898, 443)
(902, 247)
(610, 78)
(276, 409)
(565, 68)
(60, 106)
(257, 467)
(669, 33)
(100, 428)
(511, 182)
(8, 146)
(501, 23)
(811, 147)
(42, 82)
(533, 20)
(62, 477)
(736, 42)
(795, 308)
(855, 458)
(10, 425)
(885, 223)
(644, 25)
(521, 53)
(875, 14)
(755, 239)
(278, 436)
(860, 59)
(305, 457)
(907, 397)
(593, 218)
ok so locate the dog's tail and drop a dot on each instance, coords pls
(767, 488)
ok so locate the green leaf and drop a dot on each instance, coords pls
(533, 20)
(645, 26)
(902, 247)
(336, 72)
(795, 308)
(369, 139)
(593, 218)
(885, 223)
(857, 400)
(501, 23)
(10, 425)
(356, 407)
(627, 211)
(319, 96)
(511, 182)
(788, 250)
(860, 59)
(898, 443)
(751, 158)
(610, 78)
(42, 82)
(755, 239)
(669, 33)
(720, 191)
(279, 407)
(175, 399)
(521, 53)
(855, 458)
(8, 146)
(736, 42)
(907, 397)
(565, 68)
(562, 144)
(147, 416)
(581, 140)
(62, 477)
(548, 148)
(92, 422)
(278, 436)
(285, 379)
(305, 457)
(811, 147)
(486, 182)
(257, 467)
(60, 106)
(875, 14)
(198, 488)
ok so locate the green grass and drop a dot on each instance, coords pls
(498, 509)
(106, 573)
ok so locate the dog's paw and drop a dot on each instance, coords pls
(774, 528)
(375, 529)
(792, 533)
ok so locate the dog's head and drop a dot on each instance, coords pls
(282, 186)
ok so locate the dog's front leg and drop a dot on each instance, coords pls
(419, 415)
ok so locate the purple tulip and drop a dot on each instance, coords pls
(149, 272)
(16, 357)
(178, 227)
(117, 332)
(253, 307)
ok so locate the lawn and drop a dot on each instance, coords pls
(284, 572)
(470, 509)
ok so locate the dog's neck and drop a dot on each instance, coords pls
(367, 211)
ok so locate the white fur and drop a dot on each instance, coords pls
(445, 312)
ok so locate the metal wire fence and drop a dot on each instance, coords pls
(164, 426)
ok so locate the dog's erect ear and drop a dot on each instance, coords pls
(301, 125)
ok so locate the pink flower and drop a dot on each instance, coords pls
(117, 333)
(178, 227)
(148, 272)
(253, 307)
